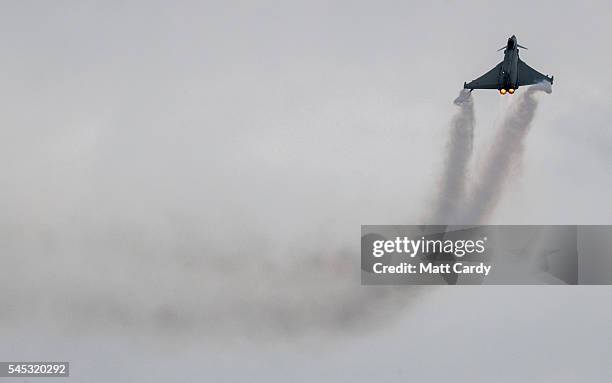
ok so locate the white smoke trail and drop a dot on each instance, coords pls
(458, 154)
(504, 155)
(139, 283)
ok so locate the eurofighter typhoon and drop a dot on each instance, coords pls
(510, 74)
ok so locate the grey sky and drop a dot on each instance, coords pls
(246, 129)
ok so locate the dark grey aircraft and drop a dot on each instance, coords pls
(509, 74)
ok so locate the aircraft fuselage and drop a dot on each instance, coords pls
(509, 72)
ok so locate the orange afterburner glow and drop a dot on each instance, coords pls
(511, 91)
(502, 91)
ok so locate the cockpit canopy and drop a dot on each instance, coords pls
(511, 43)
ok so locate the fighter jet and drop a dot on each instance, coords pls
(509, 74)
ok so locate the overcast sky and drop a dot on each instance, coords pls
(274, 129)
